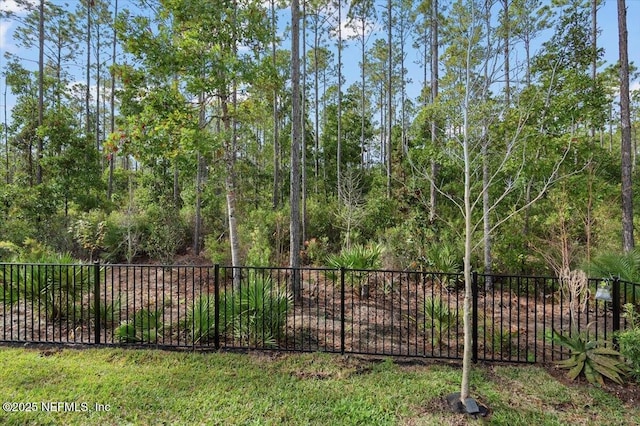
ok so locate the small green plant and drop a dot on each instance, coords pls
(201, 319)
(89, 231)
(357, 257)
(443, 258)
(315, 250)
(629, 340)
(109, 312)
(439, 317)
(8, 251)
(359, 260)
(256, 313)
(595, 359)
(503, 341)
(145, 327)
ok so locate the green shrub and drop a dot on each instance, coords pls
(201, 319)
(166, 232)
(256, 313)
(315, 250)
(8, 251)
(359, 260)
(89, 231)
(145, 327)
(124, 233)
(503, 341)
(109, 312)
(217, 249)
(444, 258)
(357, 257)
(54, 282)
(259, 253)
(439, 317)
(613, 264)
(629, 340)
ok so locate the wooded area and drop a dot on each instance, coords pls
(232, 130)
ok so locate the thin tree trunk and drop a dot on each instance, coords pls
(486, 225)
(363, 97)
(339, 148)
(276, 134)
(303, 120)
(316, 90)
(88, 89)
(112, 102)
(40, 90)
(197, 229)
(97, 124)
(625, 127)
(296, 124)
(594, 47)
(433, 199)
(389, 95)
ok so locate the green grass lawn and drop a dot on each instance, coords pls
(154, 387)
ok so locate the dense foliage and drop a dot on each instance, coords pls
(180, 142)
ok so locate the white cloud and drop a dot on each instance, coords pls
(4, 29)
(635, 86)
(13, 6)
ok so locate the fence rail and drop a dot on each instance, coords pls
(395, 313)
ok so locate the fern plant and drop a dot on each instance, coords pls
(595, 359)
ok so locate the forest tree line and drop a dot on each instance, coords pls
(152, 128)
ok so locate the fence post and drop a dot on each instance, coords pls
(474, 317)
(616, 304)
(342, 310)
(96, 300)
(216, 310)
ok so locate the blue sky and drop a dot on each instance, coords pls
(607, 21)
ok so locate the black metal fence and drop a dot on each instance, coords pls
(395, 313)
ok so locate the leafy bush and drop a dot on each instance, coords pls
(357, 257)
(216, 248)
(439, 317)
(8, 251)
(595, 359)
(259, 253)
(109, 313)
(124, 233)
(626, 266)
(89, 231)
(54, 282)
(201, 319)
(256, 313)
(166, 232)
(613, 264)
(359, 260)
(444, 258)
(504, 341)
(629, 340)
(145, 327)
(315, 250)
